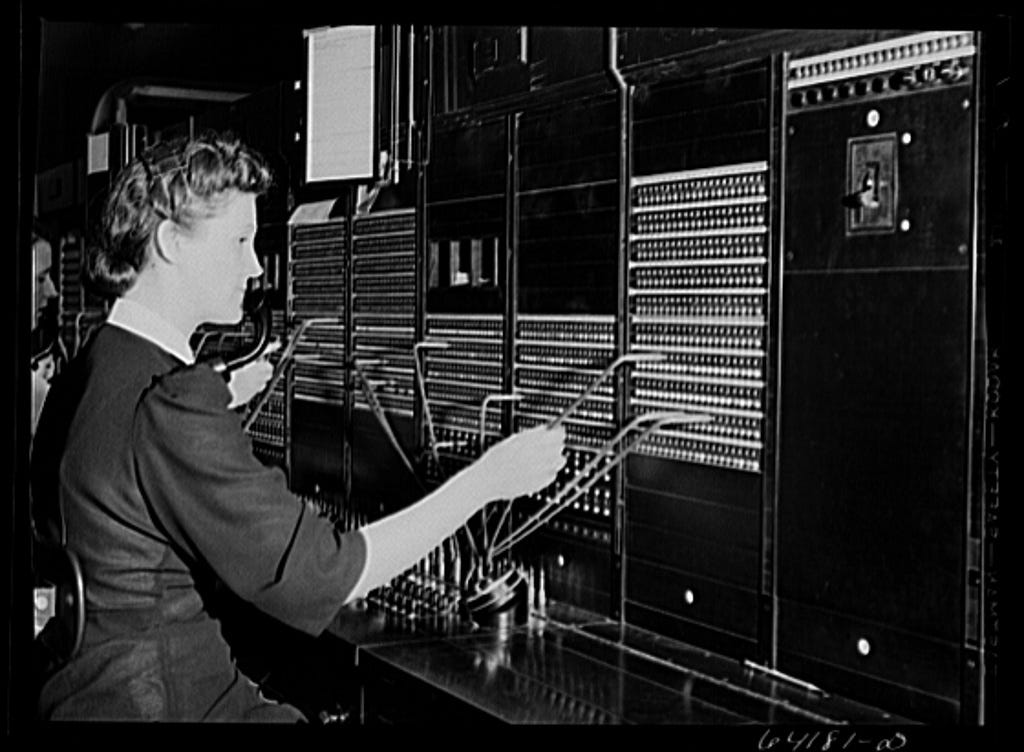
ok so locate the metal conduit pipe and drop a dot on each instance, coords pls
(622, 314)
(111, 109)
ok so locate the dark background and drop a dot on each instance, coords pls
(82, 60)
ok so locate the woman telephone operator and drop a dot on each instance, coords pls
(142, 469)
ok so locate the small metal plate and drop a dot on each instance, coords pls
(871, 166)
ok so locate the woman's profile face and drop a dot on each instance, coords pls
(43, 290)
(220, 258)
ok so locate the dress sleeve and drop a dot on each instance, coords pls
(220, 505)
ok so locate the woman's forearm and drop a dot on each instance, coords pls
(397, 542)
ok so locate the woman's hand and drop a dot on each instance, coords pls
(248, 381)
(524, 463)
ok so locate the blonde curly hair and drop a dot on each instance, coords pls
(180, 180)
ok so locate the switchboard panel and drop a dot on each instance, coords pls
(460, 376)
(463, 362)
(557, 358)
(318, 382)
(566, 295)
(698, 290)
(384, 306)
(75, 317)
(877, 362)
(268, 427)
(383, 314)
(698, 298)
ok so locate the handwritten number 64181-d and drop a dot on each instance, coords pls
(819, 741)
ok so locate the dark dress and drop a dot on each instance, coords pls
(139, 464)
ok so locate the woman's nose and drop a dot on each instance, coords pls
(253, 268)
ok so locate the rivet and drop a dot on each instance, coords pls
(873, 118)
(863, 646)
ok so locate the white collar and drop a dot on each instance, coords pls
(145, 322)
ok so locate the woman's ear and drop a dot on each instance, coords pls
(168, 241)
